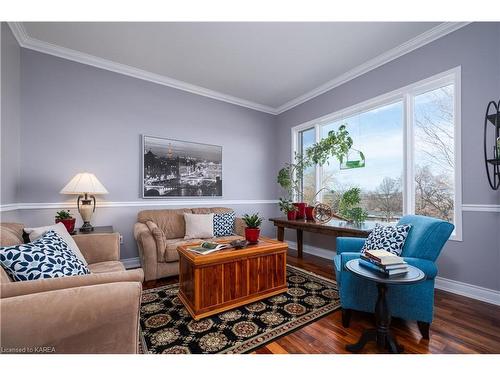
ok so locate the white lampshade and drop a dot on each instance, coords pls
(84, 183)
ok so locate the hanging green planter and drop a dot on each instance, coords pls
(354, 159)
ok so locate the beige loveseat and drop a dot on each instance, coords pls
(96, 313)
(159, 232)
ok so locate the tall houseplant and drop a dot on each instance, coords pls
(337, 144)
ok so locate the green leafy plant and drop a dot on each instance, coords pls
(63, 215)
(349, 206)
(252, 221)
(286, 205)
(336, 144)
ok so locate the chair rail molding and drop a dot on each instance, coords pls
(26, 41)
(144, 203)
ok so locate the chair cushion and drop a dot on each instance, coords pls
(47, 257)
(224, 224)
(199, 226)
(11, 234)
(427, 236)
(60, 229)
(171, 222)
(104, 267)
(389, 238)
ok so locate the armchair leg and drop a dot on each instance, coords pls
(346, 317)
(424, 328)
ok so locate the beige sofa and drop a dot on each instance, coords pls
(159, 232)
(96, 313)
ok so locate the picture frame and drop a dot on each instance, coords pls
(173, 168)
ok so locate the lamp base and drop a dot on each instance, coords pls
(86, 227)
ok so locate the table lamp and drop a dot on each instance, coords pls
(85, 185)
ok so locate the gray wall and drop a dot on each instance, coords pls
(10, 119)
(80, 118)
(475, 260)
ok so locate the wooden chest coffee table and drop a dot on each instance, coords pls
(223, 280)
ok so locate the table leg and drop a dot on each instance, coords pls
(299, 242)
(280, 233)
(381, 335)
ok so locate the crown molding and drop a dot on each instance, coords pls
(429, 36)
(411, 45)
(28, 42)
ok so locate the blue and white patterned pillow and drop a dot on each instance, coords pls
(47, 257)
(389, 238)
(224, 224)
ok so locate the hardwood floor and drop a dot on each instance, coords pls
(461, 324)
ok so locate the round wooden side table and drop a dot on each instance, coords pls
(382, 334)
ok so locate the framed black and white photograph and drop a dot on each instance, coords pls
(173, 168)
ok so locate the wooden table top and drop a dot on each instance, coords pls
(265, 245)
(414, 274)
(332, 225)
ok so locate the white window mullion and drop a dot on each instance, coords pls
(318, 170)
(409, 165)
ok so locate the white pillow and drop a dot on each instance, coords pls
(199, 226)
(60, 229)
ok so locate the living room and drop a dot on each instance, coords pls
(304, 147)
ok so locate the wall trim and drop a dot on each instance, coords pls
(28, 42)
(481, 207)
(131, 262)
(427, 37)
(191, 202)
(468, 290)
(144, 203)
(419, 41)
(457, 287)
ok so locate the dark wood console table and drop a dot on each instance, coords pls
(335, 228)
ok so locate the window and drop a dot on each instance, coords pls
(405, 157)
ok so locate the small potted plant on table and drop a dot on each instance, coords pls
(252, 230)
(64, 216)
(288, 208)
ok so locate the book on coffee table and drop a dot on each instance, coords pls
(209, 247)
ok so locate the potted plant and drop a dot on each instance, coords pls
(349, 206)
(64, 216)
(288, 208)
(252, 230)
(336, 144)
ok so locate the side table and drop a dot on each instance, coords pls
(382, 334)
(103, 229)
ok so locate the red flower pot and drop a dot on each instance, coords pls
(68, 223)
(292, 215)
(309, 213)
(252, 234)
(301, 210)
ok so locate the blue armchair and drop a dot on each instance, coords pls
(410, 302)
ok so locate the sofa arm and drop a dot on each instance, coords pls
(91, 319)
(239, 227)
(428, 267)
(349, 244)
(20, 288)
(147, 250)
(99, 247)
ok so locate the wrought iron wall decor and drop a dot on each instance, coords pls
(492, 117)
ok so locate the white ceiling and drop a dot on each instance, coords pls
(267, 64)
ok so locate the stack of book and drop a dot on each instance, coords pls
(384, 262)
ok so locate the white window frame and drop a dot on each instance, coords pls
(405, 95)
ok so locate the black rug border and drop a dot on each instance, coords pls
(265, 342)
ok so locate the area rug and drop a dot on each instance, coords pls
(167, 328)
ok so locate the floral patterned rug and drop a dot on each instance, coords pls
(167, 328)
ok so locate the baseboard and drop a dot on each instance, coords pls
(313, 250)
(457, 287)
(468, 290)
(131, 262)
